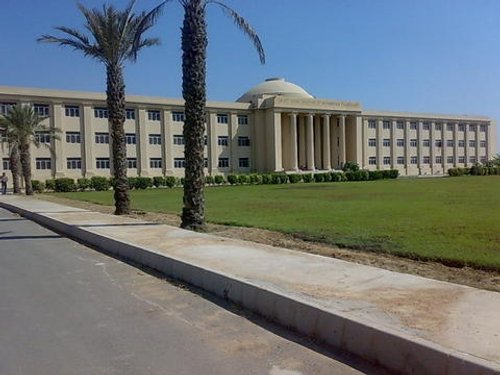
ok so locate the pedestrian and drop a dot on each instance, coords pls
(4, 179)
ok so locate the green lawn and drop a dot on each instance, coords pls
(453, 220)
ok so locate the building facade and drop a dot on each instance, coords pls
(275, 126)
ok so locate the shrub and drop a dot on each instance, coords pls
(65, 185)
(393, 173)
(243, 179)
(336, 176)
(255, 179)
(38, 186)
(132, 182)
(318, 177)
(362, 175)
(83, 183)
(158, 181)
(327, 177)
(100, 183)
(209, 180)
(112, 182)
(308, 177)
(350, 166)
(50, 185)
(294, 178)
(232, 179)
(180, 181)
(455, 172)
(143, 182)
(219, 179)
(170, 181)
(266, 179)
(350, 176)
(375, 175)
(279, 178)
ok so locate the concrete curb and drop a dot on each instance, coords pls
(391, 349)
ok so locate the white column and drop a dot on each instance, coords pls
(317, 142)
(59, 163)
(87, 138)
(333, 143)
(407, 146)
(478, 141)
(467, 137)
(294, 162)
(380, 143)
(302, 141)
(233, 142)
(419, 146)
(310, 143)
(327, 164)
(394, 152)
(364, 125)
(433, 146)
(455, 145)
(167, 143)
(342, 141)
(443, 147)
(213, 157)
(143, 166)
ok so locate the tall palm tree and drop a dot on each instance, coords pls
(116, 36)
(13, 150)
(21, 126)
(194, 46)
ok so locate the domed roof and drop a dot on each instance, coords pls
(275, 86)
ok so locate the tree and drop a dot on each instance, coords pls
(21, 125)
(116, 36)
(13, 151)
(194, 45)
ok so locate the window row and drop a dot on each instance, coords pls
(401, 160)
(386, 142)
(426, 125)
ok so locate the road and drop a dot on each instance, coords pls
(68, 309)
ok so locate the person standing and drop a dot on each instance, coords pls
(4, 179)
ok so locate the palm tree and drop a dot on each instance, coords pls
(116, 36)
(13, 150)
(194, 46)
(21, 125)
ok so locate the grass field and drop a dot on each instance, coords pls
(452, 220)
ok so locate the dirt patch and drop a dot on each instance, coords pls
(433, 270)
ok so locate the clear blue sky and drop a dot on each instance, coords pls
(427, 55)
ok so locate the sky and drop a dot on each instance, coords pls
(440, 56)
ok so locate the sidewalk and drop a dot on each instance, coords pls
(406, 323)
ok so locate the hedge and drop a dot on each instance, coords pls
(475, 170)
(64, 185)
(100, 183)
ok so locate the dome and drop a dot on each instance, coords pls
(275, 86)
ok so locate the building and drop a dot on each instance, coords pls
(275, 126)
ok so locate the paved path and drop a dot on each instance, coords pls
(67, 309)
(407, 322)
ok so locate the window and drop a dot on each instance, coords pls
(449, 127)
(427, 159)
(426, 142)
(438, 126)
(222, 140)
(482, 128)
(154, 115)
(222, 118)
(413, 125)
(401, 160)
(413, 160)
(413, 142)
(482, 144)
(244, 163)
(102, 138)
(472, 159)
(461, 159)
(450, 143)
(461, 127)
(439, 160)
(426, 125)
(472, 143)
(101, 113)
(72, 111)
(41, 109)
(450, 159)
(223, 163)
(372, 124)
(43, 163)
(73, 137)
(472, 127)
(74, 163)
(178, 116)
(438, 143)
(387, 142)
(372, 142)
(6, 164)
(42, 137)
(400, 142)
(461, 143)
(6, 107)
(130, 138)
(372, 160)
(387, 160)
(179, 163)
(242, 120)
(243, 141)
(400, 125)
(386, 125)
(132, 163)
(179, 139)
(155, 163)
(205, 140)
(155, 139)
(130, 114)
(102, 163)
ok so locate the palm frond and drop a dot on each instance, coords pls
(244, 26)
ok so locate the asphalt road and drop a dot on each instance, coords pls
(68, 309)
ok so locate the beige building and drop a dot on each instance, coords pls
(275, 126)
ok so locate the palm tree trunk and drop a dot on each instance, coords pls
(116, 108)
(194, 46)
(14, 168)
(26, 167)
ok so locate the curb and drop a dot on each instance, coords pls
(393, 350)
